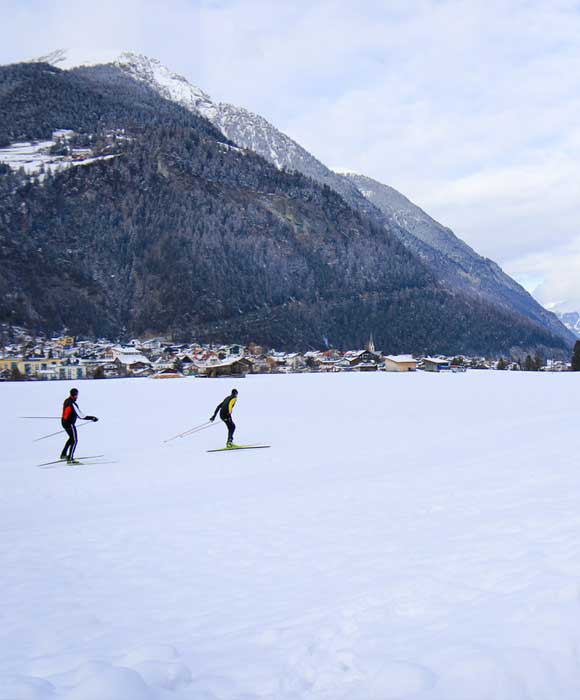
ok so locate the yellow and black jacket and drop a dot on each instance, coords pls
(226, 407)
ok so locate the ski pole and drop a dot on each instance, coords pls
(53, 417)
(188, 432)
(196, 429)
(58, 432)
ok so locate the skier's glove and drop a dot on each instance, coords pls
(93, 418)
(212, 419)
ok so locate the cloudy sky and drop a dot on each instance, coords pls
(471, 108)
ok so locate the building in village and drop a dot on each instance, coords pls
(285, 362)
(435, 364)
(66, 342)
(366, 361)
(167, 373)
(233, 367)
(150, 345)
(331, 364)
(130, 361)
(43, 368)
(227, 352)
(66, 358)
(400, 363)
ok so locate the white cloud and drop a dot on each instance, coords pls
(36, 28)
(557, 271)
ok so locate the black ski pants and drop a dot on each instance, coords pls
(71, 444)
(231, 426)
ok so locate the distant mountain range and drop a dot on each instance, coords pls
(571, 320)
(190, 231)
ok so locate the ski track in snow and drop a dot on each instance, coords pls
(407, 537)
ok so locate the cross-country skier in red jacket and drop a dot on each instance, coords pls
(70, 413)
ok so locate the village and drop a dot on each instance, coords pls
(24, 356)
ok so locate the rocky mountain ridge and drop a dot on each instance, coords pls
(457, 264)
(451, 260)
(571, 319)
(184, 230)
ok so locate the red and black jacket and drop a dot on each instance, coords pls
(69, 411)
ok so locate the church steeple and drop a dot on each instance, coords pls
(370, 346)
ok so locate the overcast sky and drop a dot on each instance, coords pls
(471, 108)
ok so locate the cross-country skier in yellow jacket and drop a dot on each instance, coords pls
(225, 409)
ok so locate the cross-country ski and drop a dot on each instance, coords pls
(233, 448)
(64, 460)
(84, 462)
(77, 463)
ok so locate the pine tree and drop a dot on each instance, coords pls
(501, 364)
(16, 375)
(528, 364)
(576, 357)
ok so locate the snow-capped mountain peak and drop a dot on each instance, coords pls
(147, 70)
(170, 85)
(68, 58)
(243, 127)
(571, 319)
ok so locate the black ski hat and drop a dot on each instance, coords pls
(74, 391)
(234, 392)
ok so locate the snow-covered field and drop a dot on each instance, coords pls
(34, 157)
(407, 537)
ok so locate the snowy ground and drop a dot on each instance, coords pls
(407, 537)
(32, 157)
(35, 157)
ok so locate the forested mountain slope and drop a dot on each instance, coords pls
(181, 231)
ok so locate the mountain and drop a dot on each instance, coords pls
(571, 320)
(246, 129)
(457, 265)
(451, 260)
(168, 225)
